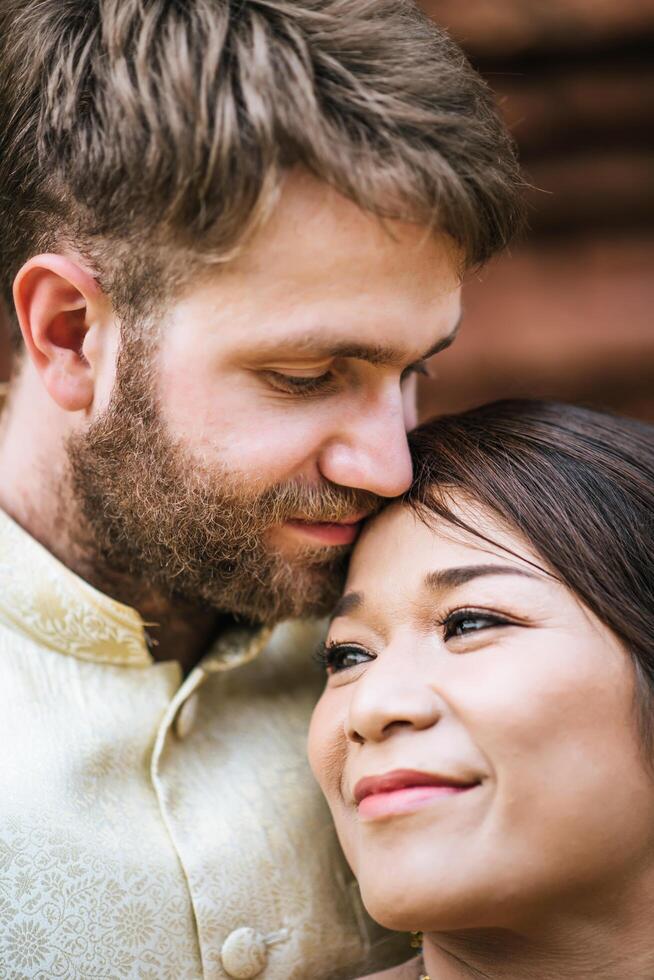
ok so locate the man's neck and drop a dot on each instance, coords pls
(176, 630)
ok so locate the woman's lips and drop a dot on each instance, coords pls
(404, 791)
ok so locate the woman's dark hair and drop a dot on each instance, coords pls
(578, 485)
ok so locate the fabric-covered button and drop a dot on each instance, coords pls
(185, 718)
(244, 953)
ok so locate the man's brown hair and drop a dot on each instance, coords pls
(138, 129)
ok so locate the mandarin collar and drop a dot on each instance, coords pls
(43, 600)
(46, 602)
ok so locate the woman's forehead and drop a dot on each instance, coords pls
(400, 560)
(399, 536)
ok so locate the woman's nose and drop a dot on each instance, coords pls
(387, 698)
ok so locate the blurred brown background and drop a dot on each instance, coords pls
(568, 313)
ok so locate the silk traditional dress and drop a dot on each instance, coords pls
(153, 826)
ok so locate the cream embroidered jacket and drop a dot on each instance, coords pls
(153, 827)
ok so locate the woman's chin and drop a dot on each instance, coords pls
(433, 901)
(402, 915)
(408, 909)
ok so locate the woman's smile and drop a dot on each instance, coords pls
(404, 791)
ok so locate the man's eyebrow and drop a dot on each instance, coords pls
(450, 578)
(316, 345)
(347, 604)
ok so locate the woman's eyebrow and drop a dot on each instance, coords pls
(450, 578)
(347, 604)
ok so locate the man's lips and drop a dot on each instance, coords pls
(403, 791)
(329, 532)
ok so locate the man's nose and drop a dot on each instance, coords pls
(389, 697)
(370, 450)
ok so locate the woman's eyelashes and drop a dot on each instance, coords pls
(465, 622)
(458, 625)
(335, 657)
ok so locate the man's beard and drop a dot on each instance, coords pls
(157, 517)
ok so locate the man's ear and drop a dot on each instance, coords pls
(58, 302)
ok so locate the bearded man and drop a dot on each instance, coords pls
(232, 234)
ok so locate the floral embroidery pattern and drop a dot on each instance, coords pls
(27, 943)
(68, 913)
(135, 924)
(59, 610)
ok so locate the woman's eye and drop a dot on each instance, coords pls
(335, 657)
(300, 384)
(463, 622)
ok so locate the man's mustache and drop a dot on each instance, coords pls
(321, 503)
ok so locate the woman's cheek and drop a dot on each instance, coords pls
(327, 745)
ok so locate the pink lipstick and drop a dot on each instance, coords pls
(404, 791)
